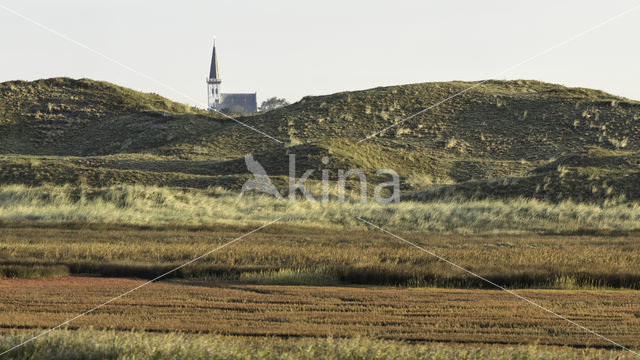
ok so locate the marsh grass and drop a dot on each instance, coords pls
(138, 231)
(157, 206)
(33, 271)
(95, 344)
(292, 277)
(294, 255)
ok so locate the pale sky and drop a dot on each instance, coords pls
(295, 48)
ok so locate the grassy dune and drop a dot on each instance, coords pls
(501, 140)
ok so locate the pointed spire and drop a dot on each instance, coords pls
(213, 72)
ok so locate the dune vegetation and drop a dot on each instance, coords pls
(502, 140)
(152, 205)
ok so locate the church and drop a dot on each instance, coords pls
(245, 103)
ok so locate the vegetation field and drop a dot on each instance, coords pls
(293, 291)
(417, 315)
(283, 254)
(161, 206)
(91, 344)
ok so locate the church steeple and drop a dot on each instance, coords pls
(213, 72)
(213, 81)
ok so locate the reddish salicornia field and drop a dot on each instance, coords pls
(291, 288)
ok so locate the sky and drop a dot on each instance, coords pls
(292, 49)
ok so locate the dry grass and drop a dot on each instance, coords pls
(145, 205)
(284, 253)
(92, 344)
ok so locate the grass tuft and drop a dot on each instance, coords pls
(93, 344)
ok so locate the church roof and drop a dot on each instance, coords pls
(213, 73)
(248, 102)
